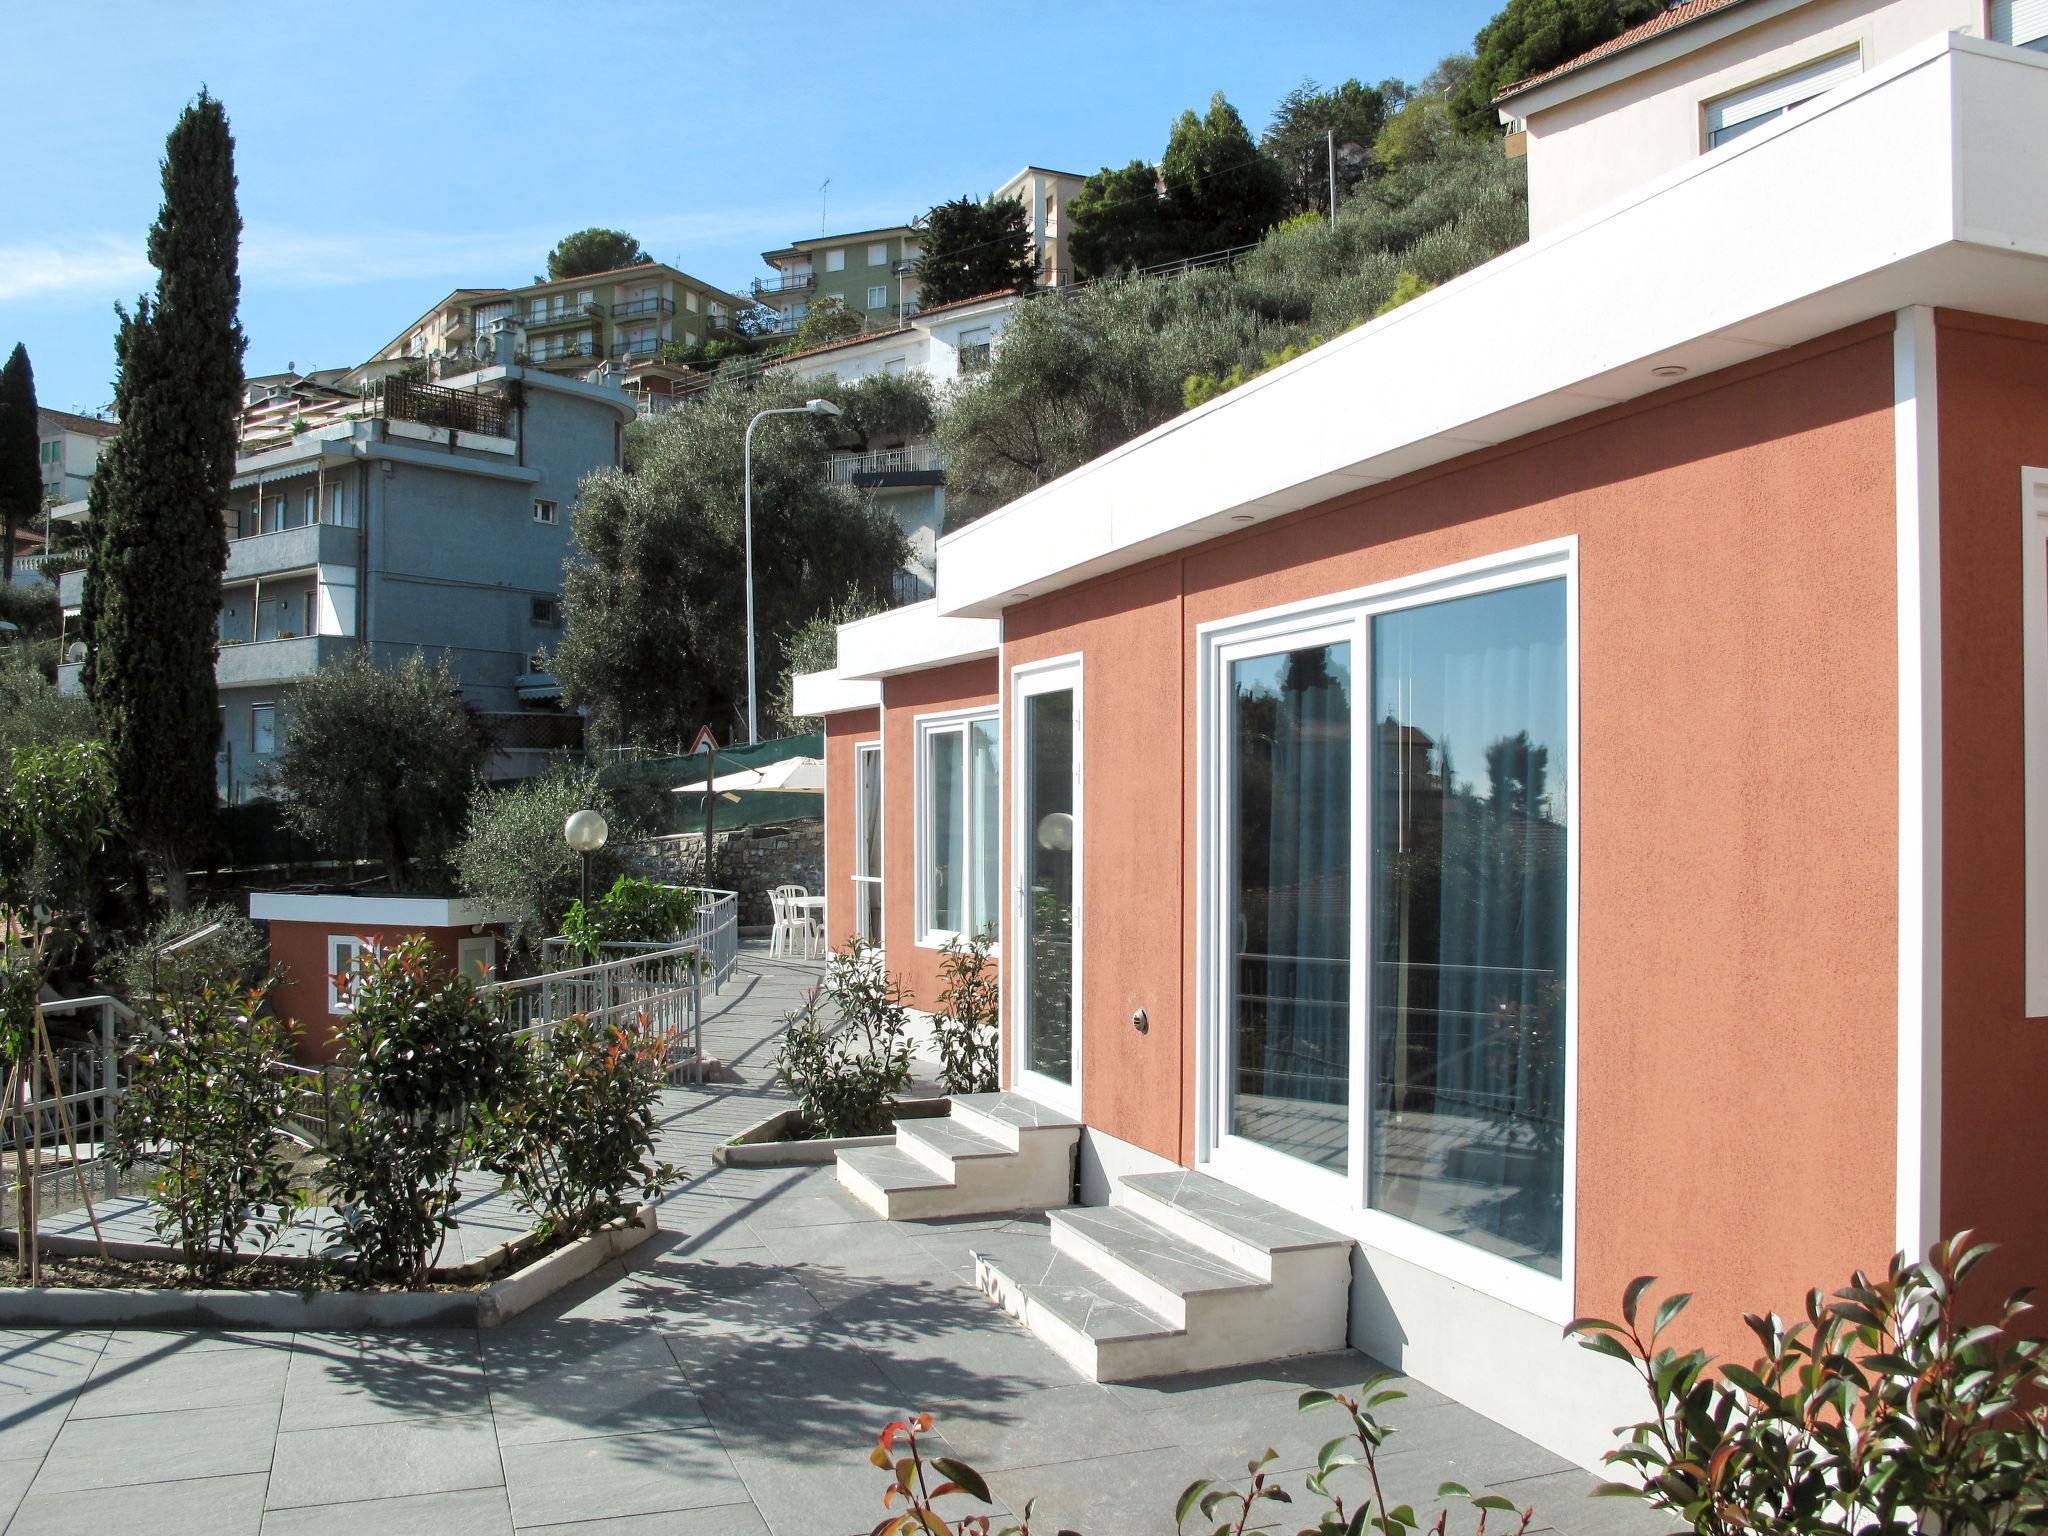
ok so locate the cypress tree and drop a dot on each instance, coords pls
(21, 471)
(152, 589)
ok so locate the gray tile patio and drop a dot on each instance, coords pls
(727, 1379)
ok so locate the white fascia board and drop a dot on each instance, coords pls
(913, 639)
(365, 911)
(1899, 188)
(833, 693)
(554, 383)
(1640, 58)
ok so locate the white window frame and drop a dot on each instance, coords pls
(1056, 674)
(2034, 664)
(956, 722)
(339, 1001)
(862, 749)
(267, 707)
(835, 261)
(878, 254)
(547, 512)
(1340, 1201)
(878, 297)
(1824, 73)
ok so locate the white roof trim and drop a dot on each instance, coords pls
(830, 693)
(346, 912)
(912, 639)
(1640, 58)
(1891, 190)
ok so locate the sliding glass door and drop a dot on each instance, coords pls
(1046, 855)
(1389, 846)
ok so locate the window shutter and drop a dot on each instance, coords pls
(2019, 21)
(1788, 90)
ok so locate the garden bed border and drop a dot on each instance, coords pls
(765, 1145)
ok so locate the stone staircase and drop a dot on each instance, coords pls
(1181, 1272)
(995, 1152)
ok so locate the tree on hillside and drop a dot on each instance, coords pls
(1074, 379)
(513, 860)
(1530, 36)
(655, 637)
(972, 247)
(813, 646)
(593, 250)
(1117, 221)
(1298, 138)
(21, 470)
(152, 587)
(827, 321)
(380, 761)
(1425, 122)
(1222, 191)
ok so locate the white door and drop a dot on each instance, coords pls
(1045, 853)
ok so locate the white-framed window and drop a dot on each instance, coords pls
(2034, 727)
(546, 512)
(2024, 22)
(878, 298)
(263, 729)
(585, 297)
(342, 950)
(1739, 112)
(690, 300)
(867, 841)
(835, 261)
(959, 825)
(1387, 864)
(477, 958)
(878, 254)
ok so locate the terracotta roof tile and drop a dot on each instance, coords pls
(1679, 15)
(91, 425)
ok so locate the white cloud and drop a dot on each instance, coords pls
(101, 266)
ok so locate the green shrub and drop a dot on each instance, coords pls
(513, 861)
(966, 1027)
(236, 958)
(420, 1052)
(204, 1101)
(633, 911)
(1884, 1413)
(846, 1075)
(578, 1138)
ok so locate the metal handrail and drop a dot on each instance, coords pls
(657, 994)
(647, 304)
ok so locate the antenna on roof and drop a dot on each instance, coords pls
(822, 191)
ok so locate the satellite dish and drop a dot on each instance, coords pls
(75, 651)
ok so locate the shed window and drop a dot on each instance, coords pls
(342, 950)
(959, 826)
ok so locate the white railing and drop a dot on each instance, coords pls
(655, 993)
(87, 1096)
(841, 468)
(716, 931)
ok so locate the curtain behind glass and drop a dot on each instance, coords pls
(1049, 882)
(1291, 838)
(1468, 869)
(945, 834)
(985, 813)
(868, 857)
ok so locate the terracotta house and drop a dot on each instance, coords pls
(315, 937)
(1549, 787)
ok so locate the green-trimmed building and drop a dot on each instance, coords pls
(870, 271)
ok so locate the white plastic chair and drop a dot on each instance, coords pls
(792, 922)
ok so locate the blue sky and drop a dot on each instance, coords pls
(390, 152)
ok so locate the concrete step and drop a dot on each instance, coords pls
(995, 1152)
(1012, 1119)
(1241, 1228)
(943, 1145)
(895, 1185)
(1163, 1272)
(1099, 1330)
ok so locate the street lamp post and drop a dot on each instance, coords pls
(808, 408)
(585, 831)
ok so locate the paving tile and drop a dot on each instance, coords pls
(337, 1380)
(29, 1421)
(1050, 1425)
(191, 1341)
(471, 1512)
(1461, 1446)
(1126, 1495)
(159, 1447)
(567, 1480)
(529, 1409)
(717, 1520)
(383, 1461)
(38, 1362)
(204, 1506)
(16, 1473)
(172, 1379)
(536, 1344)
(1564, 1501)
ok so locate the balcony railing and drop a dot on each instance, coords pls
(636, 346)
(789, 282)
(851, 468)
(905, 267)
(432, 405)
(568, 346)
(651, 304)
(560, 313)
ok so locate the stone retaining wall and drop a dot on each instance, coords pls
(750, 860)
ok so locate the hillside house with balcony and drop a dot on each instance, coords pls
(621, 317)
(1547, 787)
(1045, 195)
(905, 476)
(872, 272)
(422, 518)
(440, 341)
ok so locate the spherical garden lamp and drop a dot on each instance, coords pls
(585, 831)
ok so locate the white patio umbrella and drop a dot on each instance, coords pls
(805, 775)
